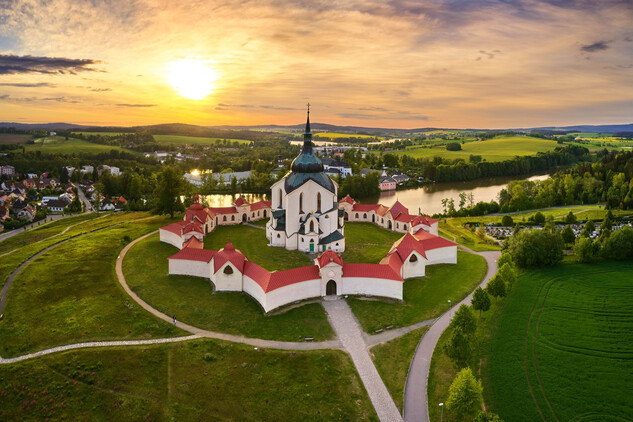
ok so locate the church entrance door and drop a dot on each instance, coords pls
(330, 288)
(312, 246)
(243, 218)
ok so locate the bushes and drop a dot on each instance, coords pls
(453, 146)
(507, 221)
(536, 248)
(619, 245)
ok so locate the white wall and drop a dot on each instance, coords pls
(288, 294)
(187, 267)
(227, 282)
(447, 255)
(171, 238)
(255, 291)
(414, 269)
(371, 286)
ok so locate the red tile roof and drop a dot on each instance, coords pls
(403, 218)
(229, 253)
(397, 209)
(347, 199)
(196, 211)
(430, 241)
(328, 257)
(240, 201)
(365, 207)
(192, 227)
(423, 219)
(271, 281)
(223, 210)
(259, 205)
(406, 245)
(370, 271)
(194, 254)
(193, 242)
(381, 210)
(175, 227)
(393, 261)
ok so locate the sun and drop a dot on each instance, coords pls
(193, 79)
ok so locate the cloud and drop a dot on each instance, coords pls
(384, 116)
(100, 89)
(489, 54)
(135, 105)
(597, 46)
(11, 64)
(29, 85)
(222, 106)
(60, 100)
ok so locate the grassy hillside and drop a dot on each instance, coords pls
(192, 140)
(58, 144)
(496, 149)
(563, 346)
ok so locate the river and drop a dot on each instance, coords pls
(427, 199)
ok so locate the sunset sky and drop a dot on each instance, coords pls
(375, 63)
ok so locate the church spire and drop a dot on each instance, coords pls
(308, 132)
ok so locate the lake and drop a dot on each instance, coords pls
(427, 199)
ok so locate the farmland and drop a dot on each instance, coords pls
(58, 144)
(563, 346)
(192, 140)
(335, 135)
(496, 149)
(10, 138)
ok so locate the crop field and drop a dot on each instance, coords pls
(193, 140)
(57, 144)
(424, 297)
(563, 346)
(197, 380)
(102, 133)
(496, 149)
(193, 301)
(10, 138)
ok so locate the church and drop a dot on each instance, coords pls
(305, 212)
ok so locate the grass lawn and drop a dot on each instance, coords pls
(392, 359)
(70, 294)
(191, 381)
(454, 230)
(424, 297)
(192, 301)
(57, 144)
(193, 140)
(497, 149)
(566, 334)
(254, 245)
(366, 242)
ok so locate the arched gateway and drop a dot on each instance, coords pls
(330, 288)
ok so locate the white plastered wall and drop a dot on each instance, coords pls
(227, 282)
(189, 267)
(447, 255)
(288, 294)
(371, 286)
(414, 269)
(171, 238)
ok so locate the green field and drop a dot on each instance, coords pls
(425, 297)
(103, 133)
(564, 345)
(254, 245)
(392, 360)
(496, 149)
(70, 294)
(366, 242)
(192, 381)
(192, 300)
(453, 229)
(193, 140)
(335, 135)
(57, 144)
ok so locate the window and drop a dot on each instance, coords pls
(356, 215)
(302, 240)
(278, 196)
(311, 226)
(413, 258)
(301, 203)
(228, 270)
(224, 218)
(232, 218)
(365, 216)
(397, 225)
(319, 202)
(405, 226)
(278, 235)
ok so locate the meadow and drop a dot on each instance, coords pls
(497, 149)
(366, 242)
(192, 299)
(194, 380)
(70, 293)
(193, 140)
(10, 138)
(392, 360)
(562, 348)
(424, 297)
(58, 144)
(335, 135)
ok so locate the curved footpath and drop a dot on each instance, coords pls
(415, 391)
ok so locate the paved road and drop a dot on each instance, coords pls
(349, 332)
(415, 399)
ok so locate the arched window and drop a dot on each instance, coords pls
(232, 218)
(301, 203)
(311, 226)
(278, 235)
(319, 202)
(279, 196)
(228, 270)
(405, 226)
(356, 215)
(413, 258)
(365, 216)
(224, 218)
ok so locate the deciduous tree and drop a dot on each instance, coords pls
(464, 395)
(481, 300)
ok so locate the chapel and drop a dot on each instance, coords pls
(305, 212)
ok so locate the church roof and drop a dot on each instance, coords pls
(347, 199)
(406, 245)
(270, 281)
(241, 201)
(259, 205)
(196, 211)
(430, 241)
(194, 254)
(329, 257)
(175, 228)
(332, 237)
(370, 271)
(229, 253)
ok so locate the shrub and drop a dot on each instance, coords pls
(536, 248)
(506, 272)
(539, 218)
(505, 258)
(570, 218)
(507, 221)
(619, 245)
(585, 249)
(453, 146)
(568, 234)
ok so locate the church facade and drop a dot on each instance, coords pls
(305, 212)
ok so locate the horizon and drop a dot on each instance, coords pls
(400, 65)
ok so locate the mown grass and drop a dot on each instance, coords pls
(193, 140)
(453, 229)
(194, 380)
(577, 325)
(192, 300)
(497, 149)
(70, 294)
(425, 297)
(58, 144)
(392, 359)
(366, 242)
(254, 245)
